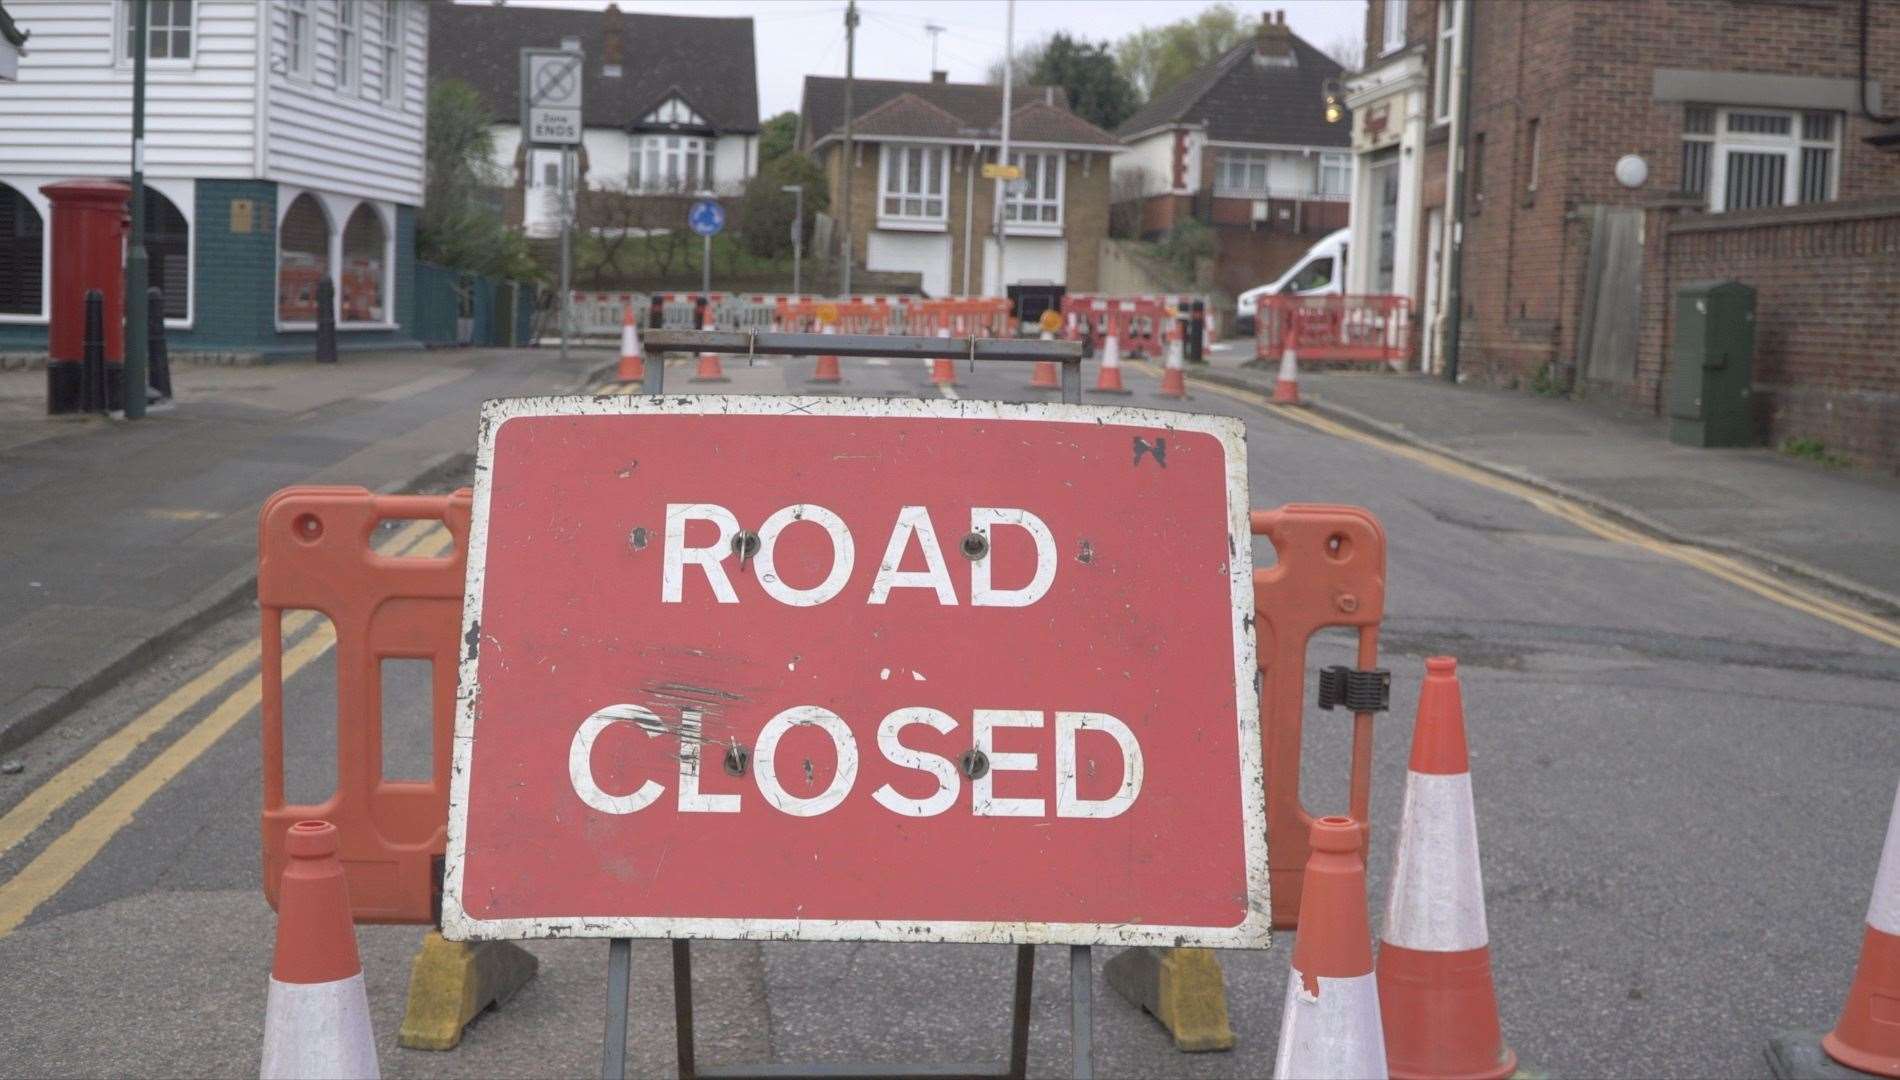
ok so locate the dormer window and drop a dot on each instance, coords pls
(674, 112)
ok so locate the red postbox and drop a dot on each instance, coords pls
(89, 229)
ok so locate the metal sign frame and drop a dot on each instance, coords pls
(1250, 932)
(531, 105)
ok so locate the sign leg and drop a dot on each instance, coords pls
(613, 1054)
(1081, 1017)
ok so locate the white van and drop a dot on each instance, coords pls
(1319, 272)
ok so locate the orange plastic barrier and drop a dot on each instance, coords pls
(865, 317)
(314, 553)
(1352, 329)
(1329, 571)
(976, 316)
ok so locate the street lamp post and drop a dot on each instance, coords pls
(797, 192)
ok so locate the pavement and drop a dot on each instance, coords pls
(120, 534)
(1681, 786)
(1830, 524)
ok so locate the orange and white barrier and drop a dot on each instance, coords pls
(316, 1018)
(1868, 1034)
(1108, 380)
(1435, 991)
(1330, 1027)
(1173, 378)
(632, 368)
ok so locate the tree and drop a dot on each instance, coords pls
(776, 137)
(767, 212)
(1098, 91)
(460, 226)
(1157, 57)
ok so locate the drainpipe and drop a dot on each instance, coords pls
(1460, 140)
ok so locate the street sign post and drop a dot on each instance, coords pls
(858, 669)
(706, 218)
(551, 116)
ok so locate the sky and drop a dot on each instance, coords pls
(796, 38)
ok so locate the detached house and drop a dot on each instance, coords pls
(919, 204)
(1243, 145)
(669, 103)
(284, 144)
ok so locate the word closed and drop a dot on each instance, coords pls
(857, 669)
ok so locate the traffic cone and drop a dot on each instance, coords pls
(1330, 1027)
(1173, 381)
(1286, 388)
(943, 370)
(632, 368)
(828, 365)
(1046, 376)
(1868, 1034)
(1435, 992)
(1109, 379)
(316, 1018)
(710, 370)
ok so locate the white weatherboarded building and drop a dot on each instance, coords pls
(284, 142)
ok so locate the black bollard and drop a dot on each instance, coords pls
(157, 355)
(1196, 331)
(92, 364)
(326, 320)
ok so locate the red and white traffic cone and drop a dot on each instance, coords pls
(316, 1019)
(710, 370)
(1108, 380)
(1868, 1034)
(943, 370)
(1173, 379)
(827, 371)
(1435, 990)
(632, 367)
(1330, 1027)
(1286, 388)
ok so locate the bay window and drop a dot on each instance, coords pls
(1036, 199)
(671, 163)
(912, 182)
(1745, 158)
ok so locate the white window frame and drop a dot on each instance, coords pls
(1393, 30)
(889, 153)
(393, 21)
(348, 76)
(299, 44)
(1789, 147)
(1342, 162)
(1445, 65)
(1015, 204)
(655, 148)
(122, 32)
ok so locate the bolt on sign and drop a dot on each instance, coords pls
(895, 670)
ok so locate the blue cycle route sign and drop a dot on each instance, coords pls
(706, 217)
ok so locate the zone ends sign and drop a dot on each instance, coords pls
(858, 669)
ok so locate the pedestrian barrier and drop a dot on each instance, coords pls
(1357, 329)
(1330, 1027)
(316, 1014)
(1435, 992)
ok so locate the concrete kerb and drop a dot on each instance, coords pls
(1888, 603)
(228, 594)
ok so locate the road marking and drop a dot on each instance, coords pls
(63, 859)
(1727, 568)
(68, 783)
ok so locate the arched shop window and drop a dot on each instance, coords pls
(364, 257)
(168, 253)
(22, 252)
(303, 259)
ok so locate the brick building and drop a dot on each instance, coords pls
(1609, 160)
(1243, 145)
(919, 204)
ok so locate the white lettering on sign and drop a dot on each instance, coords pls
(983, 800)
(912, 528)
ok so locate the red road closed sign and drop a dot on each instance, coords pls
(863, 669)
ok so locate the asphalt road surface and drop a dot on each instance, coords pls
(1681, 784)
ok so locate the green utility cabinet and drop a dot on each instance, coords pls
(1712, 366)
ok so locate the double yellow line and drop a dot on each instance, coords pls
(62, 860)
(1729, 569)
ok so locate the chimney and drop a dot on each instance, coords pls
(940, 76)
(1273, 42)
(610, 20)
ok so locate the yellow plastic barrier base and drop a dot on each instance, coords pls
(1182, 988)
(451, 982)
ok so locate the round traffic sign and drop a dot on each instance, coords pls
(706, 217)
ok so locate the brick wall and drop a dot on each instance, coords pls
(1827, 315)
